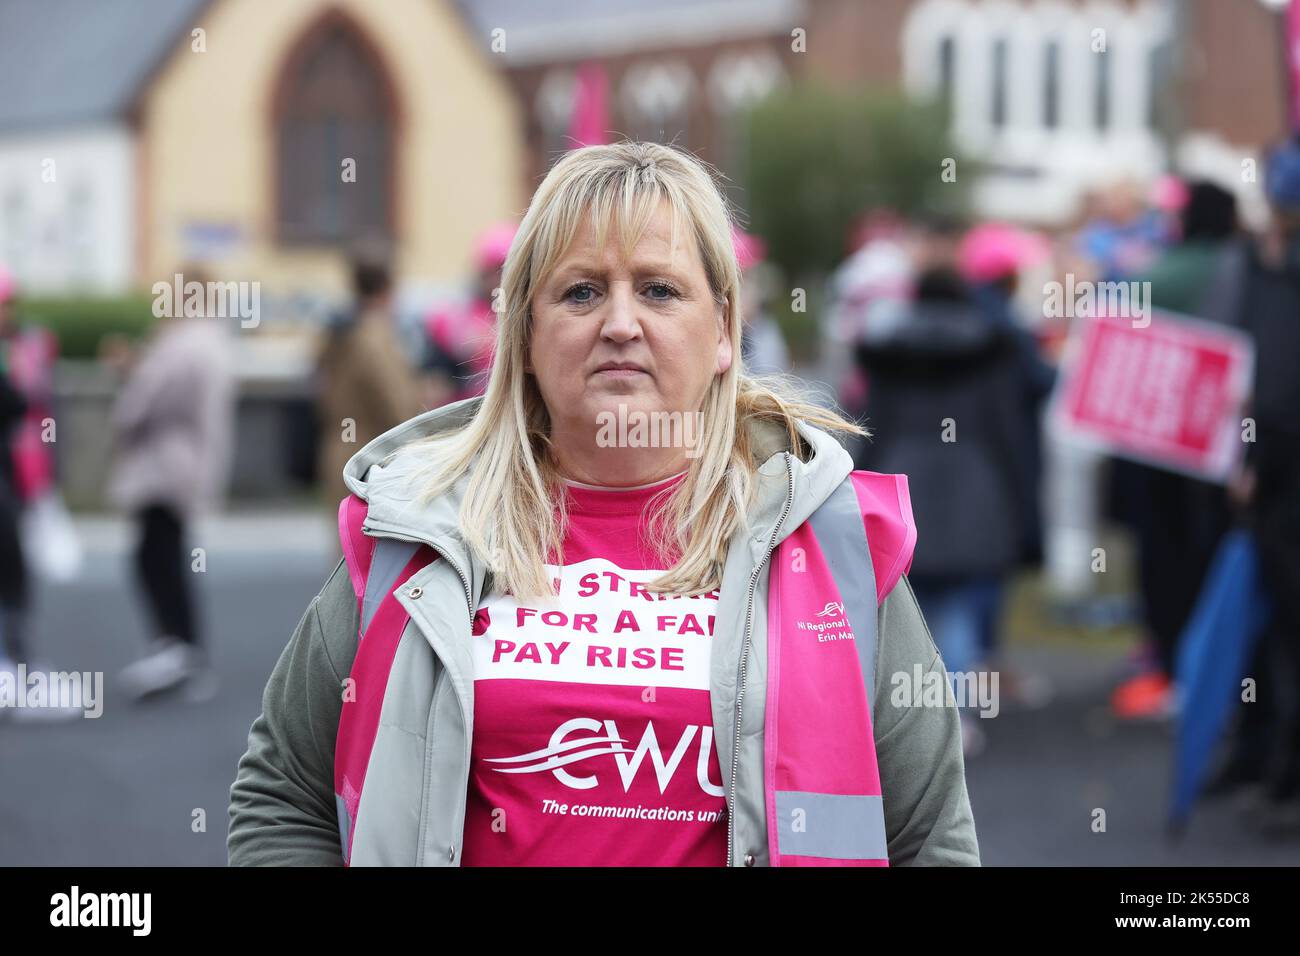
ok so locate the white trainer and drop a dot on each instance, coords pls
(165, 668)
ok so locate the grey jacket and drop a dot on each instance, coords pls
(282, 803)
(173, 420)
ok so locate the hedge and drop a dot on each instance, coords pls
(80, 322)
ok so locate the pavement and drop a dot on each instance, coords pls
(149, 783)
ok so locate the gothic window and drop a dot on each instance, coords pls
(334, 105)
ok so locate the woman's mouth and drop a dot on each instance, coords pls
(620, 370)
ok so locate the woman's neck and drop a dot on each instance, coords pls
(621, 467)
(648, 484)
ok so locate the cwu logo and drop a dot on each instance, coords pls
(594, 746)
(831, 623)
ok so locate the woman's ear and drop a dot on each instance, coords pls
(724, 337)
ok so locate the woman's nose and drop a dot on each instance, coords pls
(620, 320)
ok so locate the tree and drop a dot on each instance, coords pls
(819, 159)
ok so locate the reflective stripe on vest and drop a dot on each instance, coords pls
(843, 539)
(844, 827)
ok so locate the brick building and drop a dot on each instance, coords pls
(1052, 96)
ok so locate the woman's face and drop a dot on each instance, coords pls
(645, 332)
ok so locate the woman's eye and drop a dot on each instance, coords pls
(660, 290)
(580, 293)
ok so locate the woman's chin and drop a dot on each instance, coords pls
(608, 396)
(628, 407)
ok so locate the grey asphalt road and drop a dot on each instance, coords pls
(129, 787)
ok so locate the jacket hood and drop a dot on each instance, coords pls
(381, 474)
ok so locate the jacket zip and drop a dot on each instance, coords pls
(464, 580)
(744, 656)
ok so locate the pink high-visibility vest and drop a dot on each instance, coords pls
(827, 579)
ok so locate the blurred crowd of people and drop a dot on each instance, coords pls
(947, 349)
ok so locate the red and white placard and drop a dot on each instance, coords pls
(1171, 393)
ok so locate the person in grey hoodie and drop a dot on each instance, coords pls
(173, 429)
(621, 297)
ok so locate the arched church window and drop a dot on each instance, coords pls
(335, 130)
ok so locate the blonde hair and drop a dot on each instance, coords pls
(513, 513)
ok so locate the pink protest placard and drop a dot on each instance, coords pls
(1171, 393)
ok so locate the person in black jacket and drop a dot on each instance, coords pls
(945, 401)
(1267, 743)
(1177, 520)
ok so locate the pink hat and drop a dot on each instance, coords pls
(1169, 193)
(493, 245)
(994, 250)
(7, 285)
(750, 249)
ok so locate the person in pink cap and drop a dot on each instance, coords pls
(30, 354)
(993, 258)
(996, 252)
(14, 590)
(28, 504)
(460, 337)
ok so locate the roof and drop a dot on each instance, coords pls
(66, 62)
(541, 31)
(79, 61)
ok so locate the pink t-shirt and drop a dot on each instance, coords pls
(593, 733)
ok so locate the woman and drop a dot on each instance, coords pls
(173, 432)
(627, 608)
